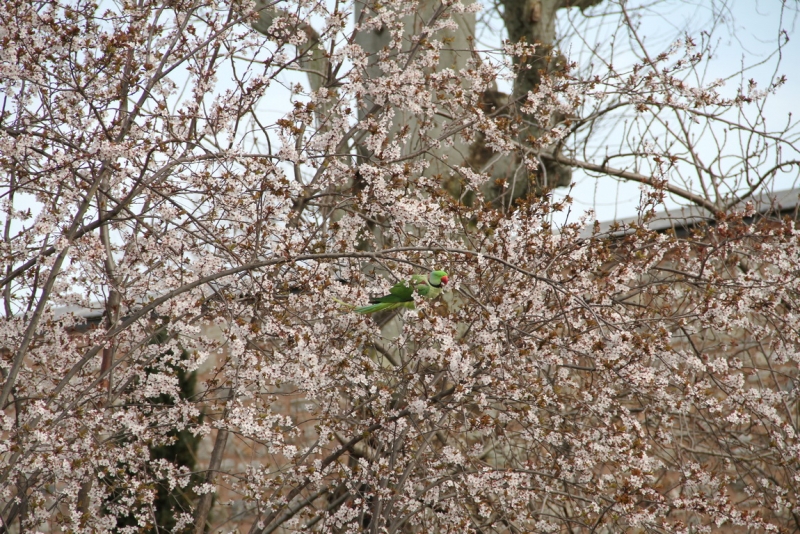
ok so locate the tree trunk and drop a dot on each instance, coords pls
(534, 22)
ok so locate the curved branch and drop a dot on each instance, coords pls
(634, 177)
(761, 180)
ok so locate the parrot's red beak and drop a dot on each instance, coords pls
(444, 279)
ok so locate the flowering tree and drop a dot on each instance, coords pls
(567, 381)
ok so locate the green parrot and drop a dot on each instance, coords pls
(401, 295)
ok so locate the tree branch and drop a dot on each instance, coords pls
(634, 177)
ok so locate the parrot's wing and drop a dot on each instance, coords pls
(398, 293)
(401, 295)
(403, 291)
